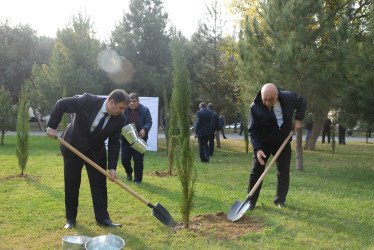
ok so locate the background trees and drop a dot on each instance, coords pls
(302, 46)
(141, 37)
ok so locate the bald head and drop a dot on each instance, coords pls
(269, 95)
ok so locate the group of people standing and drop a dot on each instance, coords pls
(96, 120)
(208, 125)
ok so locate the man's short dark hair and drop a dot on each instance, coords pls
(134, 96)
(119, 95)
(202, 105)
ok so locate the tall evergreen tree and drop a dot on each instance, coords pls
(180, 106)
(213, 76)
(141, 37)
(23, 128)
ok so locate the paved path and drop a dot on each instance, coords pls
(228, 135)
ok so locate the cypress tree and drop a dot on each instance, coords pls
(23, 128)
(179, 125)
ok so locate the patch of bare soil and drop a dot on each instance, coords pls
(223, 228)
(17, 176)
(163, 173)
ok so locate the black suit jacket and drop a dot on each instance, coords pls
(203, 122)
(78, 133)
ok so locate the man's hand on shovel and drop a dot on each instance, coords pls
(51, 133)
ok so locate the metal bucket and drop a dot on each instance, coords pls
(107, 242)
(130, 133)
(140, 145)
(74, 242)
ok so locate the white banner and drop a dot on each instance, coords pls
(152, 104)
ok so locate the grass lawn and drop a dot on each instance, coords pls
(329, 206)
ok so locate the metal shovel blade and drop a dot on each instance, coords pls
(162, 215)
(237, 210)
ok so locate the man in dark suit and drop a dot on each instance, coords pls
(270, 122)
(214, 123)
(203, 130)
(96, 119)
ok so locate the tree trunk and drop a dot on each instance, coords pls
(38, 119)
(310, 144)
(2, 137)
(218, 140)
(299, 150)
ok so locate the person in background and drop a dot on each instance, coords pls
(96, 120)
(222, 126)
(326, 130)
(308, 124)
(214, 123)
(269, 124)
(138, 114)
(203, 131)
(341, 134)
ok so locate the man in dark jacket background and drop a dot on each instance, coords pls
(214, 123)
(95, 120)
(139, 114)
(203, 130)
(270, 122)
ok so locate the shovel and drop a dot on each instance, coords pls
(158, 210)
(239, 208)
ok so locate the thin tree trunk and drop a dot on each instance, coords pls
(2, 137)
(218, 140)
(38, 119)
(299, 150)
(310, 144)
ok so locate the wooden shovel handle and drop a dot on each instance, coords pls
(253, 190)
(89, 161)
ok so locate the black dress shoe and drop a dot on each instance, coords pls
(129, 178)
(108, 223)
(70, 223)
(279, 204)
(251, 206)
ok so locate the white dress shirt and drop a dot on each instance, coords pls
(278, 113)
(100, 115)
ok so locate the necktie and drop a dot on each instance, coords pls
(99, 126)
(273, 113)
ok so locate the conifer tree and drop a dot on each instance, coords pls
(179, 124)
(23, 128)
(8, 113)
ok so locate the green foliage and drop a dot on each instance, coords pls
(18, 52)
(72, 67)
(300, 45)
(180, 106)
(8, 113)
(213, 76)
(141, 38)
(23, 128)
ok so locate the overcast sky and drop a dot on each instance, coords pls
(46, 16)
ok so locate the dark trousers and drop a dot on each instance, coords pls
(223, 132)
(211, 144)
(127, 152)
(283, 173)
(324, 133)
(203, 148)
(72, 175)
